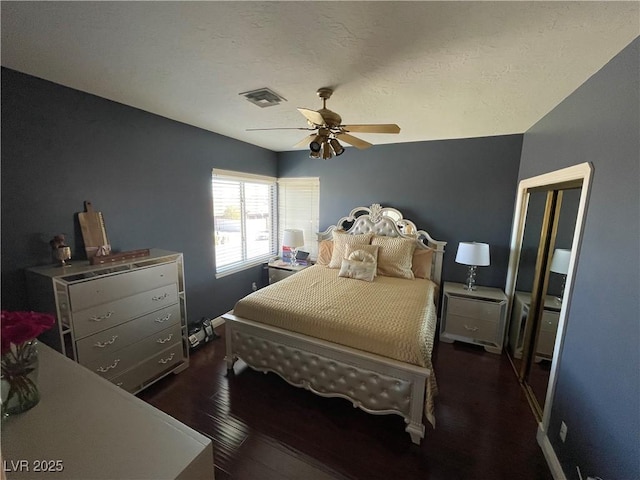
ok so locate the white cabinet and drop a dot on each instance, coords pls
(125, 321)
(476, 316)
(548, 327)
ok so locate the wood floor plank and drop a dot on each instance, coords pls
(264, 428)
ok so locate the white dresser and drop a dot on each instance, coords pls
(86, 428)
(125, 321)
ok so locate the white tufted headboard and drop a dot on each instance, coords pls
(388, 222)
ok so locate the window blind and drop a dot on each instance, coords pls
(299, 207)
(245, 220)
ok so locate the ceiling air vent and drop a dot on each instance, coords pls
(263, 97)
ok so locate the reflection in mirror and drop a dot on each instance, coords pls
(537, 376)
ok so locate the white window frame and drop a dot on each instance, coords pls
(307, 219)
(244, 263)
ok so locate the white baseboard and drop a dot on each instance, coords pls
(550, 454)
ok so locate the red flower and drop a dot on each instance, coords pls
(20, 327)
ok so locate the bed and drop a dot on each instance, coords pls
(360, 324)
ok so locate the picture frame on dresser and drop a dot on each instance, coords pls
(125, 321)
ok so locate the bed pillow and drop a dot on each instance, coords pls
(324, 252)
(421, 263)
(350, 249)
(360, 265)
(395, 256)
(340, 240)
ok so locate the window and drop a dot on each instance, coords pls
(245, 220)
(299, 207)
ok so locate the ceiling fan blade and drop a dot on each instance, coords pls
(311, 115)
(356, 142)
(305, 141)
(373, 128)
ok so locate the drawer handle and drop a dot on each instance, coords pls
(160, 297)
(107, 343)
(103, 317)
(165, 340)
(106, 369)
(163, 319)
(167, 360)
(471, 329)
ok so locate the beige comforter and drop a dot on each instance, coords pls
(391, 317)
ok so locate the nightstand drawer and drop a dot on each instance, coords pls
(549, 321)
(474, 328)
(482, 310)
(277, 274)
(546, 342)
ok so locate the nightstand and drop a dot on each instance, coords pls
(548, 327)
(279, 270)
(477, 316)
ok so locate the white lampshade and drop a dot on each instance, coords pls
(473, 253)
(560, 261)
(293, 238)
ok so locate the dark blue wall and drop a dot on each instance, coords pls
(457, 190)
(598, 385)
(150, 176)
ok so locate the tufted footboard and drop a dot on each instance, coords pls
(375, 384)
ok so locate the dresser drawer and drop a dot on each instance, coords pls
(103, 290)
(484, 310)
(97, 319)
(113, 339)
(111, 364)
(133, 379)
(474, 328)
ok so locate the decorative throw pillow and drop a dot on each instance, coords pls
(340, 240)
(395, 256)
(350, 250)
(324, 252)
(360, 265)
(421, 263)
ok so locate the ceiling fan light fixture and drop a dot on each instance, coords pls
(315, 144)
(326, 150)
(337, 148)
(313, 154)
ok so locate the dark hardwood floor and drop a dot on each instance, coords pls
(263, 428)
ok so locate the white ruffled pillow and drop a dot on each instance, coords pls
(360, 265)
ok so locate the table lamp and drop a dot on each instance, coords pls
(474, 255)
(293, 238)
(560, 264)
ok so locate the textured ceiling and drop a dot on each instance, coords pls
(438, 69)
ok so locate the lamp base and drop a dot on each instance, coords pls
(471, 278)
(294, 257)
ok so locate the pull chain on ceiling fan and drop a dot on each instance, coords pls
(324, 143)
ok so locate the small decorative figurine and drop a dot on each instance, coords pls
(59, 250)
